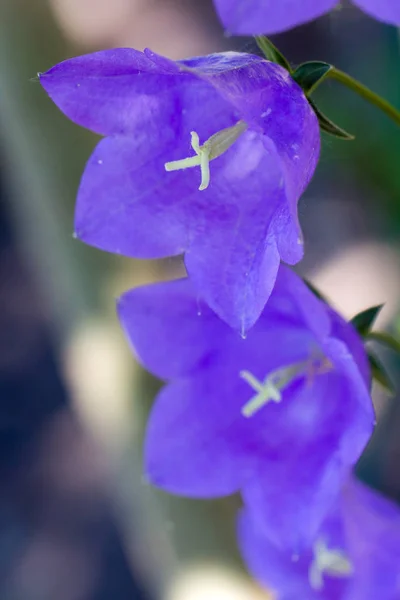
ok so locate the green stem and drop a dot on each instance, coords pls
(365, 93)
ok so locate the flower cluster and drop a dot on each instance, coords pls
(272, 16)
(267, 388)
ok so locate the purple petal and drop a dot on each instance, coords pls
(254, 17)
(170, 328)
(345, 332)
(95, 90)
(235, 262)
(372, 525)
(387, 11)
(185, 452)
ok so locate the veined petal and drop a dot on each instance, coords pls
(96, 90)
(387, 11)
(253, 17)
(235, 263)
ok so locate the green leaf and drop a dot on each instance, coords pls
(364, 320)
(310, 74)
(329, 126)
(271, 52)
(379, 374)
(385, 339)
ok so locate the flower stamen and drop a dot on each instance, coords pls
(333, 563)
(214, 147)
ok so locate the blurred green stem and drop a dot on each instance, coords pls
(365, 93)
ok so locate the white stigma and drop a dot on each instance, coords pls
(216, 145)
(333, 563)
(269, 390)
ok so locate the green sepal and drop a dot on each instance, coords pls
(271, 52)
(315, 291)
(385, 339)
(310, 74)
(364, 320)
(379, 373)
(329, 126)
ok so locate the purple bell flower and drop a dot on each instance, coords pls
(280, 415)
(256, 17)
(321, 572)
(234, 125)
(354, 556)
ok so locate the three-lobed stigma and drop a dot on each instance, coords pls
(269, 390)
(332, 562)
(214, 147)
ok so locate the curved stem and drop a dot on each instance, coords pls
(365, 93)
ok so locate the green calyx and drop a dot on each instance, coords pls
(310, 75)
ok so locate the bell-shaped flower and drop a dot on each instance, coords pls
(321, 571)
(256, 17)
(354, 556)
(280, 415)
(206, 157)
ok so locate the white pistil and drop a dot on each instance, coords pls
(269, 390)
(215, 146)
(333, 563)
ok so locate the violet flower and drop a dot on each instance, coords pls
(280, 416)
(254, 146)
(355, 555)
(254, 17)
(321, 572)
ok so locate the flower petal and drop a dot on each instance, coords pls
(387, 11)
(186, 451)
(95, 90)
(372, 524)
(234, 263)
(254, 17)
(170, 328)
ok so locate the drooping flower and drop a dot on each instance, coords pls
(280, 416)
(355, 555)
(256, 17)
(321, 572)
(254, 146)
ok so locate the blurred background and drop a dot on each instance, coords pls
(77, 519)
